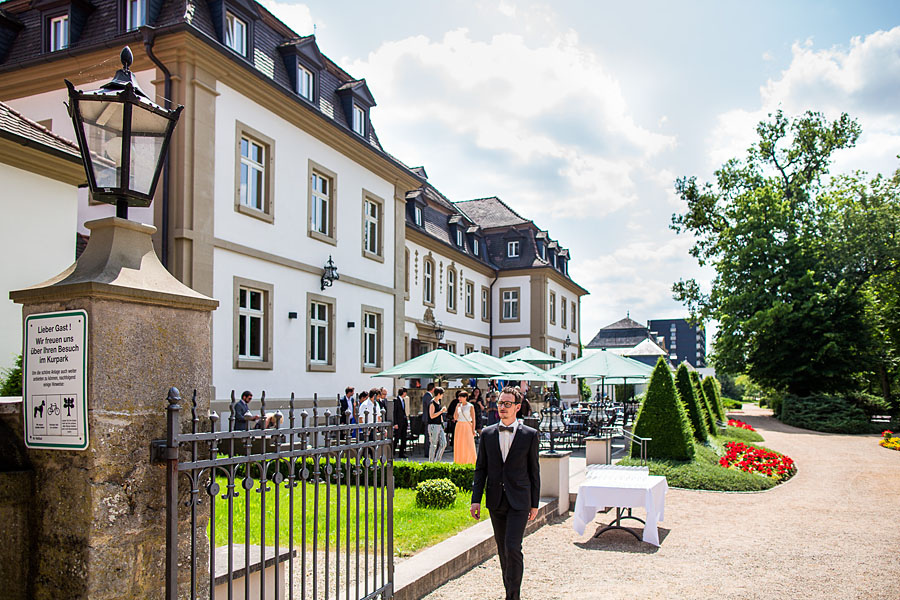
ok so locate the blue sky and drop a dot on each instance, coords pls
(581, 114)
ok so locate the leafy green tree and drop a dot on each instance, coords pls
(705, 406)
(697, 415)
(711, 389)
(11, 383)
(794, 254)
(663, 418)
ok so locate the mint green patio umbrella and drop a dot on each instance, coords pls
(604, 365)
(531, 355)
(533, 373)
(498, 364)
(438, 364)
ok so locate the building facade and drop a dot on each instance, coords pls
(684, 341)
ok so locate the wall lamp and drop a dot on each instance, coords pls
(330, 274)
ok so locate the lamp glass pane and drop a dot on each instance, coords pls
(148, 131)
(103, 134)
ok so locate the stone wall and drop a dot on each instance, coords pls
(16, 492)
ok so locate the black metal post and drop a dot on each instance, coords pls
(172, 427)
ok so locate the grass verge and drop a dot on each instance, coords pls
(414, 528)
(737, 434)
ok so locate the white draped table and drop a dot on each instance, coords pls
(621, 489)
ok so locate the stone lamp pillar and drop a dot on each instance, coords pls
(100, 512)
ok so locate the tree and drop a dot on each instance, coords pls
(711, 388)
(663, 418)
(795, 253)
(11, 381)
(697, 415)
(704, 405)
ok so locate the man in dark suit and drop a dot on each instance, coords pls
(507, 470)
(401, 422)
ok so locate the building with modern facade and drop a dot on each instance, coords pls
(685, 342)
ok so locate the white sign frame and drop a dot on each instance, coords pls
(54, 380)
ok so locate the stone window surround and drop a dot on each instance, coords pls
(505, 350)
(379, 339)
(562, 312)
(370, 197)
(331, 176)
(486, 300)
(518, 316)
(425, 284)
(243, 130)
(328, 367)
(452, 292)
(268, 306)
(469, 299)
(552, 308)
(574, 315)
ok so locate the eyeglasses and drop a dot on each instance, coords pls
(505, 404)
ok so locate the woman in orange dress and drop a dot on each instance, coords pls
(464, 433)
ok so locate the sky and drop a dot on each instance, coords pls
(581, 114)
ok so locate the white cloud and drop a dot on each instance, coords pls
(295, 16)
(862, 79)
(507, 8)
(551, 114)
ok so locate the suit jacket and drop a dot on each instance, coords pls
(426, 402)
(400, 418)
(519, 476)
(346, 404)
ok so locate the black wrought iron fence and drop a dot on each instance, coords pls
(301, 509)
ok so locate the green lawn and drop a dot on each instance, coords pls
(414, 528)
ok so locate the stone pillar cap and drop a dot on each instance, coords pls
(119, 262)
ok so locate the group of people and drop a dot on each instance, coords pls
(371, 407)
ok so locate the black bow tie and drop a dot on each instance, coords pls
(509, 429)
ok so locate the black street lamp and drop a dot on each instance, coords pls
(567, 343)
(123, 137)
(330, 273)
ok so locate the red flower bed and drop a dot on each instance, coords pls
(756, 460)
(741, 424)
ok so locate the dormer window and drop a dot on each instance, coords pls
(305, 82)
(59, 33)
(417, 215)
(135, 14)
(554, 260)
(475, 247)
(459, 238)
(512, 249)
(542, 251)
(235, 33)
(359, 120)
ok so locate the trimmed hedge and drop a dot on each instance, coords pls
(729, 404)
(436, 493)
(410, 474)
(704, 404)
(663, 418)
(685, 389)
(826, 413)
(711, 389)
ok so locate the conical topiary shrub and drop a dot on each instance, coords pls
(704, 404)
(711, 389)
(691, 403)
(663, 418)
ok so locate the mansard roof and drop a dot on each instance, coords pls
(625, 333)
(491, 212)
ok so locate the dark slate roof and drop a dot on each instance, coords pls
(271, 38)
(491, 212)
(625, 333)
(15, 127)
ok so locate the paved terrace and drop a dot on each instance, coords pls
(830, 532)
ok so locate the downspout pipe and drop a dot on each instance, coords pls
(491, 322)
(149, 34)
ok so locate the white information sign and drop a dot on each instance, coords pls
(54, 367)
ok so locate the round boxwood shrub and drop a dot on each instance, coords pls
(436, 493)
(697, 416)
(662, 417)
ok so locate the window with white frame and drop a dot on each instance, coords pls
(470, 299)
(251, 323)
(512, 249)
(451, 289)
(253, 174)
(553, 308)
(563, 312)
(459, 237)
(553, 256)
(574, 315)
(511, 305)
(319, 324)
(320, 216)
(417, 215)
(135, 14)
(485, 304)
(475, 247)
(59, 33)
(428, 281)
(305, 82)
(542, 250)
(371, 335)
(235, 33)
(359, 120)
(371, 227)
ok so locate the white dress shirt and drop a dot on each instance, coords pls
(368, 411)
(506, 438)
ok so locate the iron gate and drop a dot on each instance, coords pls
(316, 493)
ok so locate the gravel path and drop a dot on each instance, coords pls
(833, 531)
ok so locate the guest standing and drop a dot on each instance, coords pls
(401, 422)
(436, 427)
(427, 397)
(477, 401)
(464, 432)
(492, 415)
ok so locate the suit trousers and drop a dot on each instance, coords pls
(509, 529)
